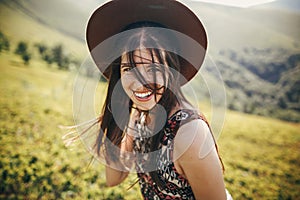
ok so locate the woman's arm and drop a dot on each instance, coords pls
(199, 162)
(116, 172)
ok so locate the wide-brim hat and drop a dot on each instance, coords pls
(112, 17)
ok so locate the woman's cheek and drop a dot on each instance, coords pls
(125, 81)
(160, 80)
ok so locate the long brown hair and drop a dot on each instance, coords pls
(111, 130)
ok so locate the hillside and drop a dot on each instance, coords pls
(261, 155)
(26, 21)
(254, 49)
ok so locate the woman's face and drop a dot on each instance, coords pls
(148, 66)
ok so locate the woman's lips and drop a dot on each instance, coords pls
(143, 96)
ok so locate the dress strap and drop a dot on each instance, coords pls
(182, 117)
(178, 119)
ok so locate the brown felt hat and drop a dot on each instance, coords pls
(112, 17)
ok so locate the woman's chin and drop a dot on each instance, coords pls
(145, 107)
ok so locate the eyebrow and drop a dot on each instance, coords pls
(139, 63)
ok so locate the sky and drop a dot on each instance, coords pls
(236, 3)
(288, 4)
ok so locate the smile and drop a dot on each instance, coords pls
(143, 96)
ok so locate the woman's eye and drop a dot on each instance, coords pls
(154, 68)
(126, 68)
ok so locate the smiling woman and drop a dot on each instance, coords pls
(147, 91)
(147, 53)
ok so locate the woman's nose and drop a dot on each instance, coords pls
(143, 71)
(142, 77)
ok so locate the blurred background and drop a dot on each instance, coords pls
(256, 50)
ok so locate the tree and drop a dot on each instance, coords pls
(22, 50)
(45, 52)
(26, 58)
(42, 48)
(48, 58)
(4, 42)
(59, 57)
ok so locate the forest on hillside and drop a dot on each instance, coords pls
(268, 83)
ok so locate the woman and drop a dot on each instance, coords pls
(147, 50)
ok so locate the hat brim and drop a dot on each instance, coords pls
(112, 17)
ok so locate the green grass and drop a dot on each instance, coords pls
(261, 155)
(20, 27)
(34, 163)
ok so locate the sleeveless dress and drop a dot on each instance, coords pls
(175, 186)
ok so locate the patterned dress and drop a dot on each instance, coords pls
(175, 185)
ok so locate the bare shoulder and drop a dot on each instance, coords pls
(197, 160)
(194, 137)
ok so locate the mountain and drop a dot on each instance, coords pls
(255, 50)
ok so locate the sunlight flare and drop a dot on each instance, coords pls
(237, 3)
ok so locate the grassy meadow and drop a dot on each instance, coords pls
(34, 162)
(261, 155)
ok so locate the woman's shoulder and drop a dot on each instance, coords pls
(193, 136)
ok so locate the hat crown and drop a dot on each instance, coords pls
(116, 16)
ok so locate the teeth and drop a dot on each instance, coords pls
(142, 95)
